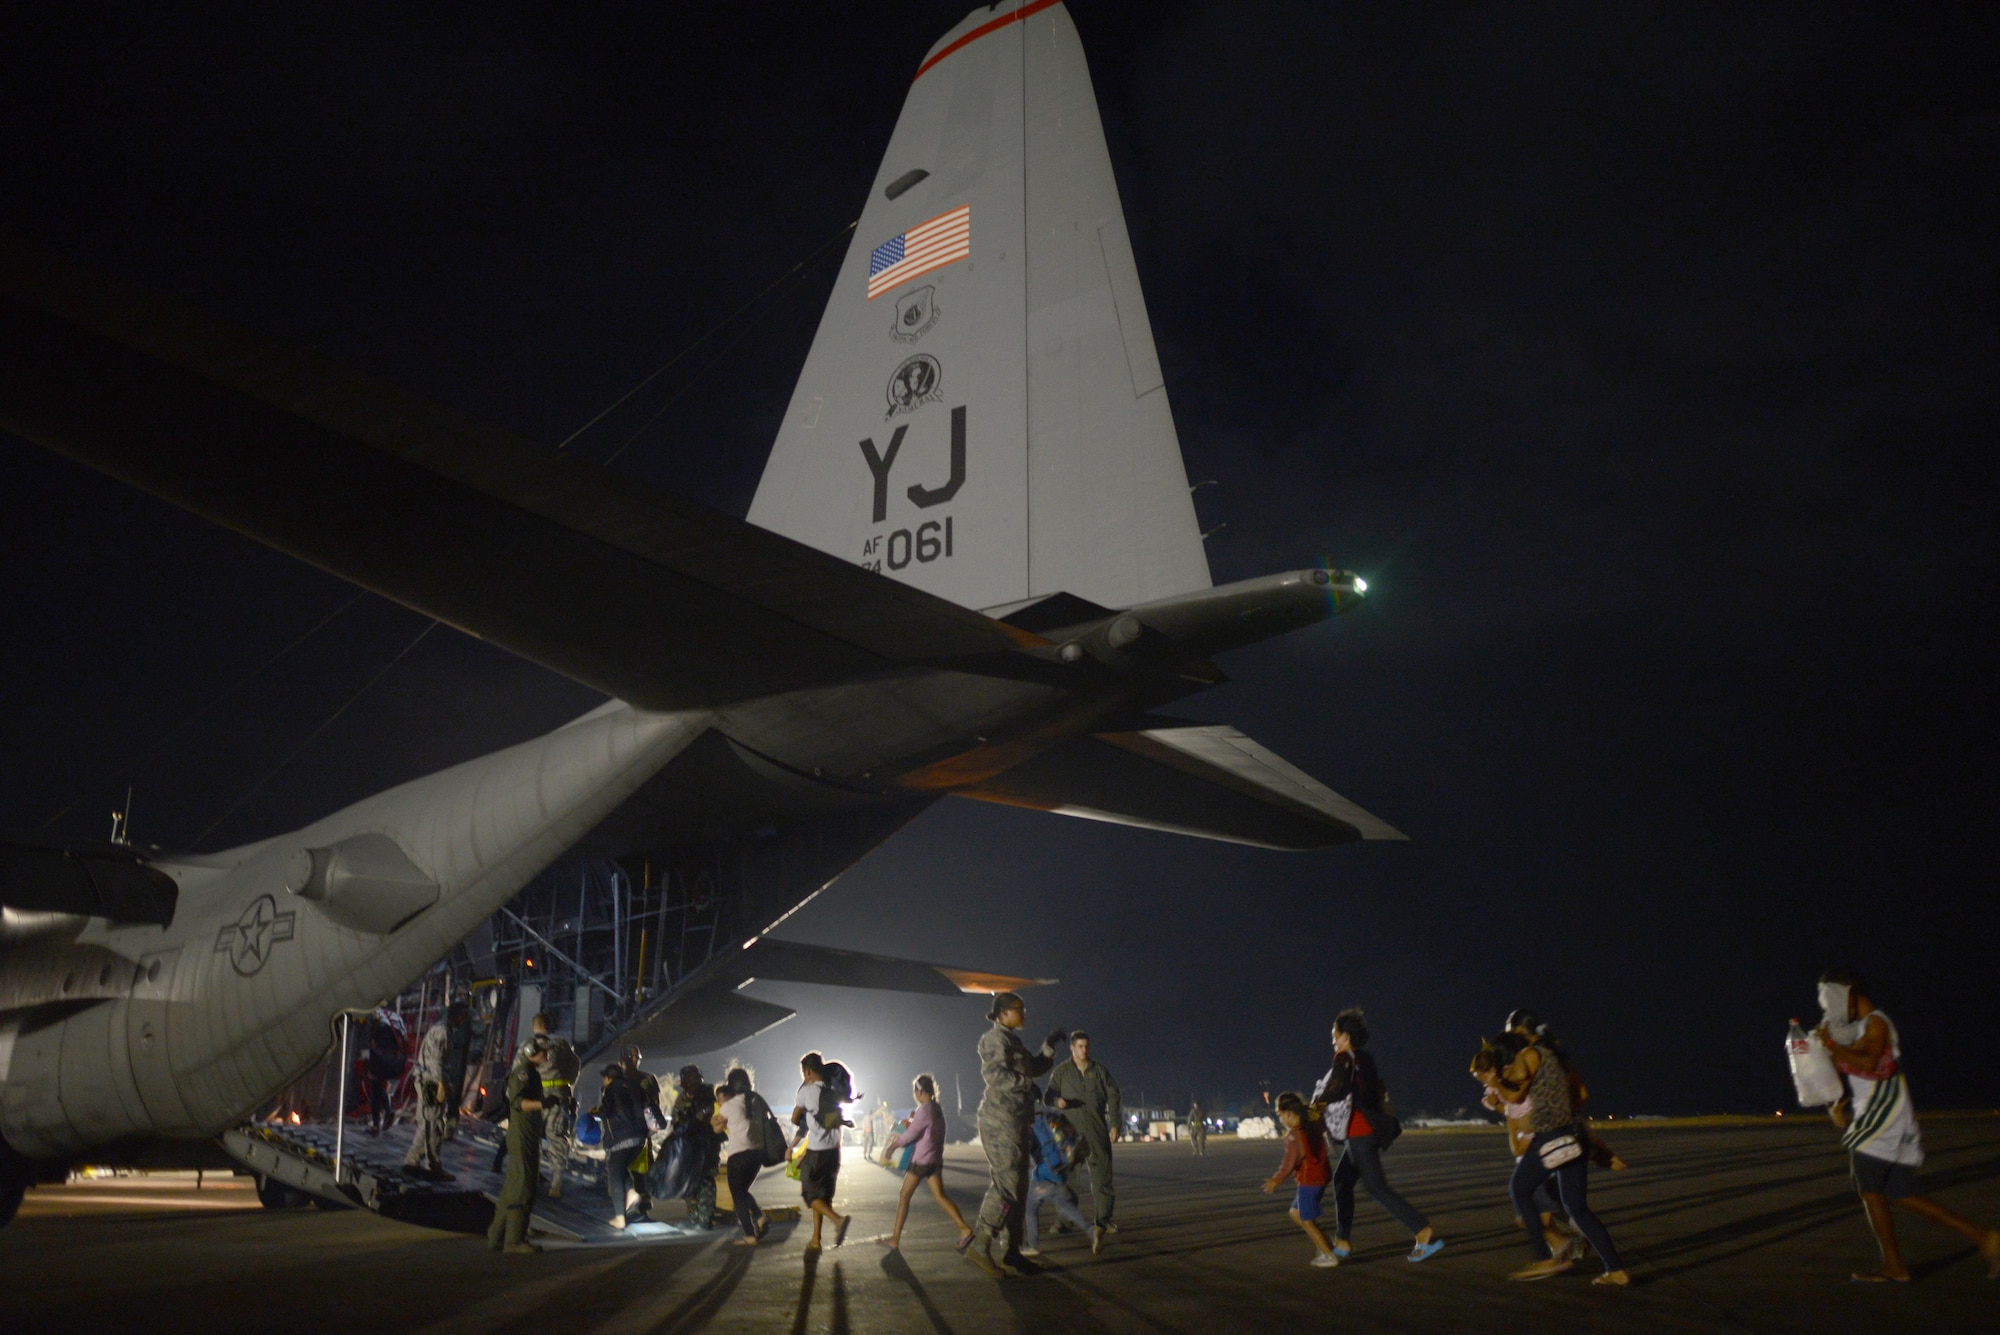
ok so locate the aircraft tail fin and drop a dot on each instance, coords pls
(1206, 780)
(982, 413)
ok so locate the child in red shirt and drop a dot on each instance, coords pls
(1305, 1155)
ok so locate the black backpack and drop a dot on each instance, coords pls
(836, 1087)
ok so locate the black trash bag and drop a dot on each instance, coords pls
(681, 1162)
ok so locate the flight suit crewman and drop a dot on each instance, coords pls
(509, 1230)
(1006, 1131)
(1088, 1097)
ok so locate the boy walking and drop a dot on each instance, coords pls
(1055, 1147)
(1305, 1157)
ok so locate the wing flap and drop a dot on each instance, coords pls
(609, 581)
(1206, 780)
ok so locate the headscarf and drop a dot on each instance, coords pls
(1833, 1001)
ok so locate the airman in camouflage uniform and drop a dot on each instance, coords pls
(1006, 1130)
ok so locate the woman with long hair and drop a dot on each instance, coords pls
(1354, 1081)
(738, 1120)
(1544, 1094)
(926, 1134)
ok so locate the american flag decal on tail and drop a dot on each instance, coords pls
(927, 246)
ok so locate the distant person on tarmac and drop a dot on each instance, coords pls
(1353, 1085)
(509, 1230)
(1088, 1096)
(1197, 1125)
(434, 1100)
(739, 1120)
(925, 1135)
(1305, 1158)
(1006, 1129)
(1536, 1082)
(819, 1171)
(1879, 1130)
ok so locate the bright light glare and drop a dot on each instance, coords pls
(1360, 584)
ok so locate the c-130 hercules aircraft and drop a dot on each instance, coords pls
(972, 568)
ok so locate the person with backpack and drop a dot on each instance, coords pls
(383, 1066)
(559, 1096)
(1352, 1095)
(925, 1137)
(817, 1116)
(741, 1119)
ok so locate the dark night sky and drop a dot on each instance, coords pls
(1642, 357)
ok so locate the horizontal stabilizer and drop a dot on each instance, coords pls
(712, 1013)
(1207, 780)
(602, 578)
(794, 962)
(704, 1020)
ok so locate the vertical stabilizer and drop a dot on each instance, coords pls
(982, 413)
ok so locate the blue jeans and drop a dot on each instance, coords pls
(1573, 1185)
(1040, 1190)
(1361, 1160)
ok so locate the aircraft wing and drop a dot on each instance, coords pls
(602, 578)
(1207, 780)
(713, 1013)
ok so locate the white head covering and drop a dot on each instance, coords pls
(1833, 1005)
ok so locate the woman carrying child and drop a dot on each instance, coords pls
(1370, 1128)
(926, 1134)
(1539, 1087)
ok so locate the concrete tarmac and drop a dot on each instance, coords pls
(1730, 1228)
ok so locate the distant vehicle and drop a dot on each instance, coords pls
(972, 568)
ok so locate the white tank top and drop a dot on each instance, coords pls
(1885, 1120)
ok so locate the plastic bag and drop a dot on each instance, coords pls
(1813, 1073)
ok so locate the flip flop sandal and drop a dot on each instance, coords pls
(1424, 1251)
(1874, 1277)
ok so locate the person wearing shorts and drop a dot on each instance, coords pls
(925, 1137)
(1878, 1123)
(1305, 1159)
(819, 1171)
